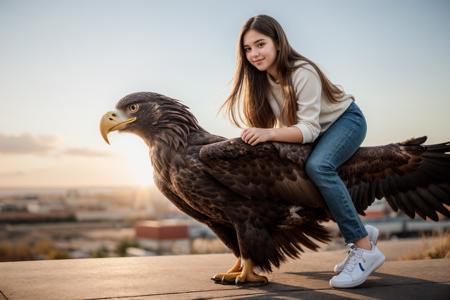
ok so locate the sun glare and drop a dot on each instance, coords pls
(135, 155)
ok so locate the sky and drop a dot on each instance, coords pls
(63, 64)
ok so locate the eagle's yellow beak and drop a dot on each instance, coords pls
(113, 120)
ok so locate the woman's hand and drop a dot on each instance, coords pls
(254, 135)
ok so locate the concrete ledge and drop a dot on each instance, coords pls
(187, 277)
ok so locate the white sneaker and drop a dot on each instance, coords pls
(359, 265)
(373, 237)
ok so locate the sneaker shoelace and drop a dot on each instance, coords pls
(354, 257)
(349, 249)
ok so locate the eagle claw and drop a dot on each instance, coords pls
(245, 276)
(251, 279)
(225, 278)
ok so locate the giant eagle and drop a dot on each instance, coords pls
(258, 199)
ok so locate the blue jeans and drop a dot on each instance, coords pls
(330, 150)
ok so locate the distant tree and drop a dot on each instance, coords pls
(10, 251)
(6, 251)
(100, 252)
(45, 249)
(22, 251)
(42, 247)
(58, 254)
(122, 245)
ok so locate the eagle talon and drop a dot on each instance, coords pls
(229, 276)
(260, 281)
(253, 277)
(225, 278)
(216, 277)
(247, 276)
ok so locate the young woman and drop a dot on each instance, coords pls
(285, 97)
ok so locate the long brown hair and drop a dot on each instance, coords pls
(251, 87)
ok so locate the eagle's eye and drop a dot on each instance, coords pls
(133, 107)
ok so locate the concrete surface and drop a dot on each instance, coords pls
(188, 277)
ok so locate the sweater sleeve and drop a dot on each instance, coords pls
(308, 90)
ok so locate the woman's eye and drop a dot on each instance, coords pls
(133, 107)
(260, 45)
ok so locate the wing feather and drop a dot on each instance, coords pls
(431, 200)
(414, 178)
(266, 171)
(402, 202)
(446, 188)
(438, 192)
(392, 203)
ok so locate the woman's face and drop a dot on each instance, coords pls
(260, 50)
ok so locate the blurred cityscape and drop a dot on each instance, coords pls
(134, 221)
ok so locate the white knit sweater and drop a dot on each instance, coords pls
(315, 112)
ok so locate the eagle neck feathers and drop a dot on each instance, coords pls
(169, 143)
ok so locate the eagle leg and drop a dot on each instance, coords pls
(248, 276)
(230, 275)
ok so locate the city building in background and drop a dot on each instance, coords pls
(134, 221)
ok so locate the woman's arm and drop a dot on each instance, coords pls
(254, 136)
(286, 134)
(308, 93)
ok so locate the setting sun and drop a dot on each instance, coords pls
(135, 155)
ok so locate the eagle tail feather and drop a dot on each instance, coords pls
(291, 239)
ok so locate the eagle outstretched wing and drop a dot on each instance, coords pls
(412, 177)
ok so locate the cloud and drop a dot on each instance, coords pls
(85, 152)
(12, 173)
(27, 144)
(19, 173)
(42, 145)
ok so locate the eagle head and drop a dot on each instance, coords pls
(148, 115)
